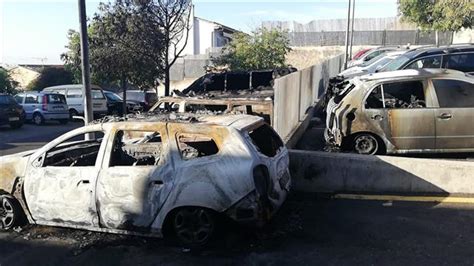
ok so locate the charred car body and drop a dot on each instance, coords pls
(236, 92)
(406, 111)
(150, 176)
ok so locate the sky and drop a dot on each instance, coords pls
(35, 31)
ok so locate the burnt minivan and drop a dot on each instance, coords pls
(405, 111)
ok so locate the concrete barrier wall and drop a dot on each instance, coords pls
(340, 172)
(296, 93)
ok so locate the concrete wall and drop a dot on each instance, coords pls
(297, 92)
(301, 39)
(360, 24)
(340, 172)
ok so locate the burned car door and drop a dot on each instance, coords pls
(59, 182)
(135, 179)
(408, 118)
(455, 115)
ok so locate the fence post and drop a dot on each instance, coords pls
(384, 37)
(417, 36)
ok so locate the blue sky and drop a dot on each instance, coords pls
(35, 31)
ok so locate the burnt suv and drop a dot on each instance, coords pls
(150, 176)
(11, 113)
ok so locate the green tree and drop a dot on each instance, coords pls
(72, 58)
(439, 15)
(51, 76)
(263, 49)
(7, 84)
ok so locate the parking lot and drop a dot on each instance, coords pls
(31, 136)
(308, 230)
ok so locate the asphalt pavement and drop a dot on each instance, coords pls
(307, 231)
(31, 136)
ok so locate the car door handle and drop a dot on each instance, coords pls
(376, 117)
(445, 116)
(83, 182)
(157, 183)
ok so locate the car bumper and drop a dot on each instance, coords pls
(56, 116)
(254, 210)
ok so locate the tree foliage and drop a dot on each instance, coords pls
(442, 15)
(263, 49)
(7, 84)
(51, 76)
(136, 40)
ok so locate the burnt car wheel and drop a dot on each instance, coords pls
(366, 144)
(194, 227)
(10, 212)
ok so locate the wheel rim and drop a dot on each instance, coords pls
(37, 119)
(366, 144)
(193, 226)
(7, 214)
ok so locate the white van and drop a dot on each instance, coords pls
(75, 98)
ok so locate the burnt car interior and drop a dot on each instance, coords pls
(136, 148)
(76, 151)
(195, 146)
(409, 94)
(266, 141)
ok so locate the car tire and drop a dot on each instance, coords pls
(72, 113)
(193, 227)
(38, 119)
(11, 213)
(63, 121)
(366, 144)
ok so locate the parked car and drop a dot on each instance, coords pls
(360, 53)
(75, 98)
(372, 54)
(146, 98)
(11, 113)
(42, 107)
(150, 176)
(457, 57)
(406, 111)
(372, 65)
(115, 104)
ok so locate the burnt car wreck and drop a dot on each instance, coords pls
(405, 111)
(226, 93)
(150, 175)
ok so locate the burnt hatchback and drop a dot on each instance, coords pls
(150, 176)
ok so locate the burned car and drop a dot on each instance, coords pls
(150, 175)
(405, 111)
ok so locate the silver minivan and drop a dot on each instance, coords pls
(41, 107)
(405, 111)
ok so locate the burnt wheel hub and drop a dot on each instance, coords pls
(6, 213)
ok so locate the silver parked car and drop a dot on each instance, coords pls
(41, 107)
(405, 111)
(150, 176)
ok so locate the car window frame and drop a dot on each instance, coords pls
(416, 59)
(446, 59)
(197, 159)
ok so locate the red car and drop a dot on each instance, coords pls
(360, 53)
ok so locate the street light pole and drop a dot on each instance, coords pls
(86, 81)
(352, 28)
(347, 34)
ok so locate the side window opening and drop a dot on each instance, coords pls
(266, 140)
(454, 93)
(196, 146)
(398, 95)
(409, 94)
(75, 151)
(375, 100)
(136, 148)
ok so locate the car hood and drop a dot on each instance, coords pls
(11, 167)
